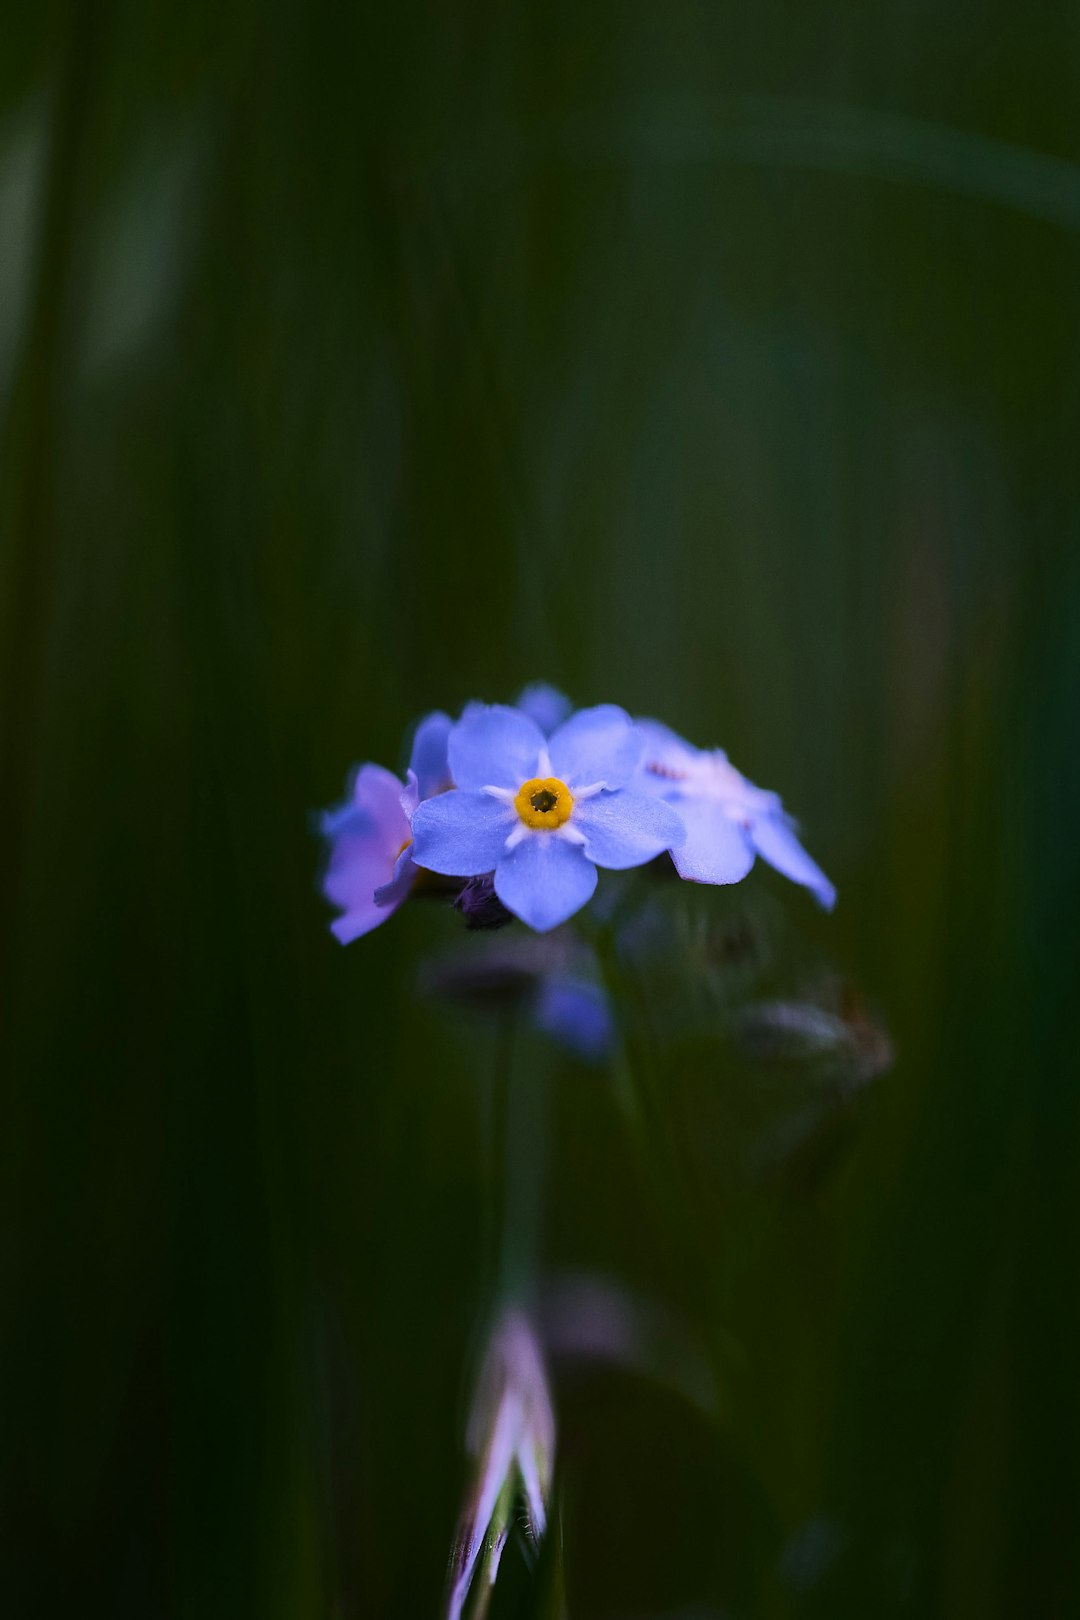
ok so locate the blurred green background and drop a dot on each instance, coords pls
(718, 360)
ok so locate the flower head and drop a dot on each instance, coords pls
(370, 869)
(542, 813)
(728, 820)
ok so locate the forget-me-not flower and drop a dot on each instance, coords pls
(728, 820)
(542, 812)
(370, 870)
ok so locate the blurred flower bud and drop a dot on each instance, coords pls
(828, 1030)
(511, 1436)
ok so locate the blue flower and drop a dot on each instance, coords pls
(370, 869)
(542, 813)
(728, 820)
(576, 1012)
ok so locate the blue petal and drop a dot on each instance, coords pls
(428, 758)
(716, 849)
(776, 842)
(461, 834)
(360, 920)
(545, 704)
(357, 866)
(544, 880)
(662, 738)
(596, 745)
(626, 828)
(494, 746)
(576, 1013)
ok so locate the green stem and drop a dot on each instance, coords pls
(648, 1120)
(518, 1143)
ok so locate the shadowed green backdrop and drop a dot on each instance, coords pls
(717, 360)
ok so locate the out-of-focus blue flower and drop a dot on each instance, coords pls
(545, 704)
(370, 869)
(542, 813)
(728, 820)
(576, 1013)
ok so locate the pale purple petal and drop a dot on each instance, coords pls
(393, 893)
(544, 880)
(366, 835)
(357, 867)
(545, 704)
(429, 754)
(461, 834)
(626, 828)
(358, 863)
(494, 746)
(776, 843)
(716, 849)
(373, 801)
(596, 745)
(354, 924)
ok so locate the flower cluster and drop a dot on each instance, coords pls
(518, 805)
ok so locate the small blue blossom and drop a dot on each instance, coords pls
(542, 813)
(370, 869)
(576, 1012)
(728, 820)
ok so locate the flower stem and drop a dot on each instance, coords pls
(648, 1122)
(517, 1155)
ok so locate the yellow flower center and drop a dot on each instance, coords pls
(544, 801)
